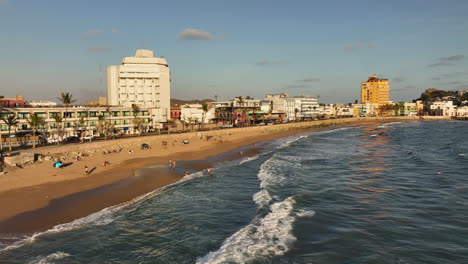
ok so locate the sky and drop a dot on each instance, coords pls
(236, 48)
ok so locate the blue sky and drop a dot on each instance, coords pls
(232, 48)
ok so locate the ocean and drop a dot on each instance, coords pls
(392, 193)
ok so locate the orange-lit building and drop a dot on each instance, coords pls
(375, 91)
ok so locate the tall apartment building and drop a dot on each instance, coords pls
(375, 91)
(143, 80)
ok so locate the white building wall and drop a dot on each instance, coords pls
(142, 80)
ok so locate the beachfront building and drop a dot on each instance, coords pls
(410, 109)
(442, 108)
(327, 110)
(278, 101)
(309, 107)
(80, 120)
(238, 112)
(292, 107)
(142, 80)
(367, 109)
(343, 111)
(194, 113)
(462, 111)
(375, 91)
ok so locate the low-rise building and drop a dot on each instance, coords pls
(343, 111)
(18, 101)
(80, 120)
(442, 108)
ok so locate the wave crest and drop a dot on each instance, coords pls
(265, 237)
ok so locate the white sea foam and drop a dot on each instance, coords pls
(264, 237)
(289, 142)
(268, 175)
(305, 213)
(262, 198)
(332, 130)
(51, 257)
(248, 159)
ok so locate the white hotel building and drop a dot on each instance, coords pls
(143, 80)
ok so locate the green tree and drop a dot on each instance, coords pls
(138, 124)
(35, 121)
(11, 121)
(296, 111)
(205, 110)
(59, 122)
(82, 123)
(67, 100)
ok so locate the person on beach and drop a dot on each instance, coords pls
(86, 170)
(173, 164)
(170, 163)
(210, 172)
(186, 173)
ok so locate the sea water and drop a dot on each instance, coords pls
(395, 193)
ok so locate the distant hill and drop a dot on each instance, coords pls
(431, 95)
(178, 102)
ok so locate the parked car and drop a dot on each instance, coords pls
(88, 137)
(227, 126)
(53, 140)
(72, 139)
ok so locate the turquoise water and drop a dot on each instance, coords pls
(395, 193)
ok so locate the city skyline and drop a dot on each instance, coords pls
(237, 48)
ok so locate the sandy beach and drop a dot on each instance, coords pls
(52, 196)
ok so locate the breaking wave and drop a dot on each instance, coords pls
(263, 238)
(51, 257)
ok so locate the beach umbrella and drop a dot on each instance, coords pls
(144, 145)
(57, 164)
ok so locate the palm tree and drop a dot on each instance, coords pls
(138, 124)
(136, 110)
(67, 100)
(81, 123)
(205, 110)
(190, 119)
(35, 121)
(58, 120)
(108, 111)
(101, 125)
(10, 121)
(295, 113)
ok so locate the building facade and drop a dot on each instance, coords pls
(142, 80)
(375, 91)
(78, 120)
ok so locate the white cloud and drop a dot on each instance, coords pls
(194, 34)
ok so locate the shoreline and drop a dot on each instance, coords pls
(50, 202)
